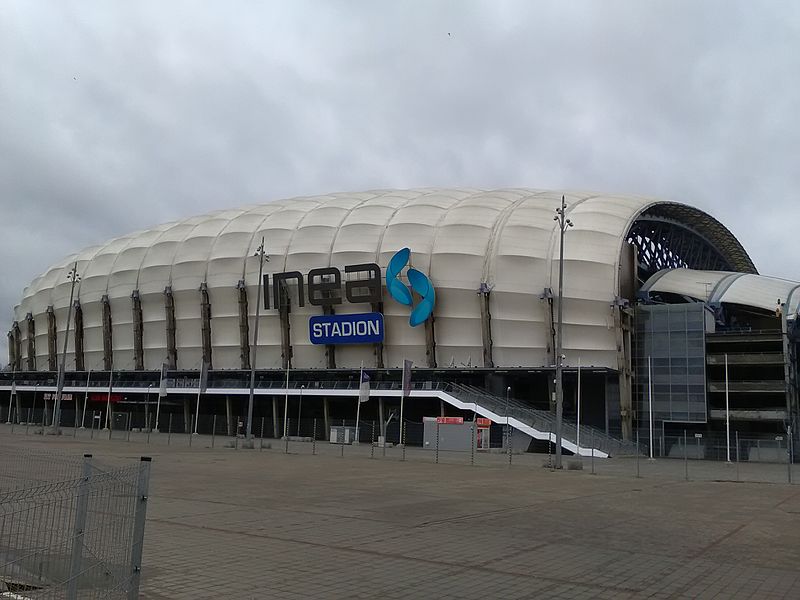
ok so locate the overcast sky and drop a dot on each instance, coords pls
(119, 115)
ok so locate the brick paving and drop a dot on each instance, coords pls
(224, 523)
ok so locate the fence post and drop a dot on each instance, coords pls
(191, 428)
(128, 426)
(437, 442)
(314, 439)
(142, 491)
(343, 430)
(472, 442)
(79, 529)
(372, 444)
(789, 453)
(286, 437)
(685, 458)
(549, 450)
(261, 439)
(28, 422)
(508, 443)
(213, 430)
(169, 430)
(593, 473)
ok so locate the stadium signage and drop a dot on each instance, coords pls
(362, 328)
(325, 286)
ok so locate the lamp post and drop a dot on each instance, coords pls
(261, 257)
(74, 278)
(147, 408)
(563, 225)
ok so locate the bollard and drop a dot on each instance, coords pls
(261, 439)
(437, 443)
(685, 458)
(191, 426)
(213, 430)
(169, 430)
(372, 445)
(314, 439)
(592, 442)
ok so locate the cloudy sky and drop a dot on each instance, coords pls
(119, 115)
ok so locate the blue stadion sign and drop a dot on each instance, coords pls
(361, 328)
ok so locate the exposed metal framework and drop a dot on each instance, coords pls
(51, 338)
(108, 347)
(79, 358)
(669, 236)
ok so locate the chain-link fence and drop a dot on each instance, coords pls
(70, 527)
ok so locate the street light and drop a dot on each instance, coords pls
(563, 225)
(74, 278)
(261, 257)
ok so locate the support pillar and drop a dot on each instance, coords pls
(229, 414)
(430, 342)
(486, 324)
(286, 339)
(17, 364)
(187, 416)
(622, 327)
(244, 326)
(108, 351)
(382, 418)
(79, 362)
(11, 358)
(330, 349)
(172, 348)
(31, 341)
(205, 324)
(275, 431)
(327, 418)
(52, 359)
(378, 348)
(138, 331)
(441, 408)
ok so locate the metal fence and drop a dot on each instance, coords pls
(70, 527)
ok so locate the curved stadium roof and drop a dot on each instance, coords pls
(462, 238)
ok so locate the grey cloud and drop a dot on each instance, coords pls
(115, 117)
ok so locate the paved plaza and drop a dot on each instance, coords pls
(228, 523)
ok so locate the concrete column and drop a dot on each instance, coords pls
(138, 331)
(486, 325)
(244, 325)
(31, 342)
(229, 414)
(187, 415)
(79, 364)
(51, 339)
(327, 418)
(275, 431)
(382, 418)
(169, 311)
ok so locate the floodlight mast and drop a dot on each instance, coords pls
(563, 225)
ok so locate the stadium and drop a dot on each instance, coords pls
(667, 325)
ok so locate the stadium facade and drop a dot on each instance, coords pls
(654, 294)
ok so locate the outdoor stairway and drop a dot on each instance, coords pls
(539, 424)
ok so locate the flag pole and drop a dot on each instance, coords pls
(402, 398)
(160, 391)
(727, 411)
(649, 402)
(578, 424)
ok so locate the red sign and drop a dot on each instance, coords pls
(450, 420)
(483, 422)
(103, 397)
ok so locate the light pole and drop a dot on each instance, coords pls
(563, 225)
(261, 257)
(508, 434)
(74, 278)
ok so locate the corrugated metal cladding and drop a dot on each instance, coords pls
(460, 237)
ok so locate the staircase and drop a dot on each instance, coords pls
(539, 424)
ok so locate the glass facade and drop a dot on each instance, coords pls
(672, 337)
